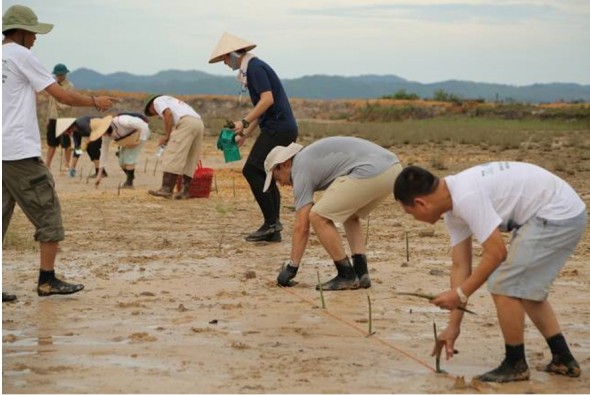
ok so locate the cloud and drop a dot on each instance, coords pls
(451, 12)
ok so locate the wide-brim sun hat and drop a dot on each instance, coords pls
(147, 103)
(23, 18)
(229, 43)
(63, 124)
(276, 156)
(99, 126)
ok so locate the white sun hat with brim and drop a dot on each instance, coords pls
(276, 156)
(229, 43)
(63, 124)
(23, 18)
(99, 126)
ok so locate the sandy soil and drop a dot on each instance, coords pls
(177, 302)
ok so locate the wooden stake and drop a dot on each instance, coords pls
(321, 291)
(407, 248)
(156, 166)
(437, 357)
(146, 165)
(370, 317)
(367, 235)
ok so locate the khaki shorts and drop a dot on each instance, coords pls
(348, 196)
(184, 148)
(29, 183)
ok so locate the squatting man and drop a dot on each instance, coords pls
(356, 176)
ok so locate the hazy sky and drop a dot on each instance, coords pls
(498, 41)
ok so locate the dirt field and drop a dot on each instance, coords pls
(177, 302)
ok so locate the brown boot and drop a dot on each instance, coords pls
(186, 186)
(168, 181)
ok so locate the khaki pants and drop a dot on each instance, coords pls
(347, 196)
(184, 148)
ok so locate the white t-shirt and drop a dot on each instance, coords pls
(123, 125)
(23, 76)
(178, 108)
(506, 194)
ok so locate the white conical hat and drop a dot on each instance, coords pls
(62, 124)
(229, 43)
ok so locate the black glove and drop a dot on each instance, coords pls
(287, 274)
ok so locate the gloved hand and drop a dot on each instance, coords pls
(287, 274)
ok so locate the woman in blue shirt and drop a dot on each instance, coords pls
(272, 113)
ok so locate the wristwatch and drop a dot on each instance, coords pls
(245, 123)
(462, 296)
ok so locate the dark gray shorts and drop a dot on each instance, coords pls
(29, 183)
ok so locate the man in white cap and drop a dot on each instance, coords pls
(272, 113)
(356, 175)
(26, 180)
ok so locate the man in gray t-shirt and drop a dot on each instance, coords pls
(356, 175)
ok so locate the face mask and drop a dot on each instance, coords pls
(234, 59)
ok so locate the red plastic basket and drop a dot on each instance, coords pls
(202, 180)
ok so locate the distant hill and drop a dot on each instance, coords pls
(191, 82)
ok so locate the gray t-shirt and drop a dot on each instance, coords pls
(316, 166)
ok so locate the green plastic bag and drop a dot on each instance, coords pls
(227, 143)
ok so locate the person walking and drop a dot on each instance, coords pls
(356, 175)
(272, 113)
(57, 110)
(26, 180)
(547, 219)
(183, 138)
(129, 131)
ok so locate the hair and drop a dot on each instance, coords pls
(413, 182)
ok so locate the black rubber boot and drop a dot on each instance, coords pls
(56, 286)
(8, 297)
(186, 187)
(168, 182)
(346, 278)
(566, 366)
(359, 261)
(266, 233)
(507, 372)
(130, 177)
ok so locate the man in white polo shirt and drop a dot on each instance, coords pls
(547, 219)
(183, 137)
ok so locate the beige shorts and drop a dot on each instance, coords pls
(349, 196)
(184, 148)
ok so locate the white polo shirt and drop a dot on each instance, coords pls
(506, 194)
(23, 76)
(178, 108)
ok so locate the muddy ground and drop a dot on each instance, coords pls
(177, 302)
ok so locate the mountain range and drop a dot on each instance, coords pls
(194, 82)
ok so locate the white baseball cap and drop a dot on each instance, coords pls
(276, 156)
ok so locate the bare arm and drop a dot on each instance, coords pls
(300, 234)
(461, 255)
(265, 102)
(75, 99)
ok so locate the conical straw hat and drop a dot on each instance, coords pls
(99, 126)
(62, 124)
(229, 43)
